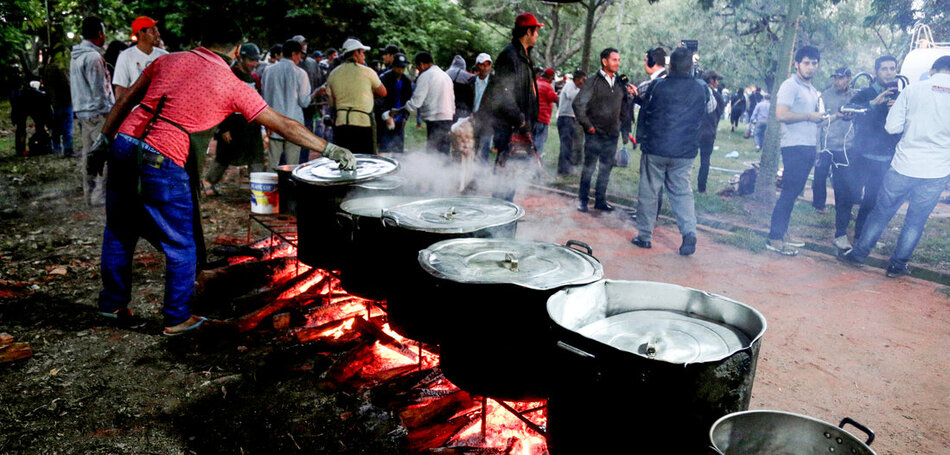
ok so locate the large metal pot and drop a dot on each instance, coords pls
(287, 189)
(321, 186)
(416, 225)
(365, 264)
(778, 432)
(488, 299)
(647, 365)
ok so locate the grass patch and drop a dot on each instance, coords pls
(743, 238)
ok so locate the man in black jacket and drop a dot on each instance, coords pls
(597, 108)
(707, 133)
(875, 147)
(668, 133)
(512, 94)
(398, 91)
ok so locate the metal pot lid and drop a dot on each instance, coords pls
(384, 183)
(453, 215)
(326, 172)
(531, 264)
(373, 206)
(669, 336)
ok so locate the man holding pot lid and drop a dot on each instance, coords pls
(148, 190)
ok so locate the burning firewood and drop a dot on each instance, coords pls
(467, 451)
(436, 410)
(349, 365)
(437, 435)
(232, 281)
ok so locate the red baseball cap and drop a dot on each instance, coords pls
(142, 22)
(527, 20)
(548, 72)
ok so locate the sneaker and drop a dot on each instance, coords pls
(848, 258)
(790, 241)
(603, 206)
(641, 243)
(582, 207)
(689, 245)
(842, 243)
(780, 247)
(894, 272)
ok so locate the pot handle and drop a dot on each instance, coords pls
(576, 243)
(346, 222)
(575, 351)
(859, 426)
(714, 449)
(388, 220)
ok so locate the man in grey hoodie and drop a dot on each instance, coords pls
(92, 99)
(463, 85)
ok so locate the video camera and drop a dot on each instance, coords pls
(693, 45)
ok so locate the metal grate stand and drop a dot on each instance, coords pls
(519, 414)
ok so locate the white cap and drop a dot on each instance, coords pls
(483, 57)
(299, 38)
(351, 45)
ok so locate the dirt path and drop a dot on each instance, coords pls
(841, 342)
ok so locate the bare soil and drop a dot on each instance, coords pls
(841, 341)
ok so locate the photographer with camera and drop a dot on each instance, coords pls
(836, 142)
(874, 146)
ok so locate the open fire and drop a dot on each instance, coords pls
(405, 375)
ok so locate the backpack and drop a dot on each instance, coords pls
(40, 143)
(747, 182)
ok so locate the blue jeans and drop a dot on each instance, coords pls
(565, 131)
(657, 172)
(871, 173)
(162, 213)
(705, 153)
(62, 129)
(758, 134)
(540, 136)
(484, 147)
(922, 194)
(798, 161)
(597, 148)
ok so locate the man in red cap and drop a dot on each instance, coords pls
(546, 99)
(133, 60)
(512, 94)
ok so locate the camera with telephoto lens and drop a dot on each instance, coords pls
(892, 85)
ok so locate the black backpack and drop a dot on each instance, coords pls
(747, 182)
(40, 143)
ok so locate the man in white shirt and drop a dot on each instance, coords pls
(434, 98)
(483, 135)
(919, 171)
(566, 123)
(132, 61)
(287, 90)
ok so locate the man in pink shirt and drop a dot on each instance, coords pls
(546, 99)
(148, 190)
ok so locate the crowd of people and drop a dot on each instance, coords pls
(140, 109)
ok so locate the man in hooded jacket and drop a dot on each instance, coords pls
(462, 85)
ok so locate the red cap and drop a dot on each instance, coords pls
(527, 20)
(142, 22)
(548, 72)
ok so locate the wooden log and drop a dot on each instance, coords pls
(439, 409)
(465, 450)
(248, 303)
(15, 351)
(438, 435)
(5, 339)
(229, 282)
(399, 391)
(308, 334)
(349, 365)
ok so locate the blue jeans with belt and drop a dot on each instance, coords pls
(922, 196)
(161, 213)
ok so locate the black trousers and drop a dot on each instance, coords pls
(705, 152)
(438, 138)
(358, 139)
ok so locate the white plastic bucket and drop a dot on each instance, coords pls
(264, 196)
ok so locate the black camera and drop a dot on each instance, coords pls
(691, 44)
(892, 86)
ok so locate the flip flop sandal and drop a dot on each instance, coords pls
(209, 190)
(121, 314)
(185, 330)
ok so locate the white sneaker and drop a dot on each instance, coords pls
(789, 241)
(842, 243)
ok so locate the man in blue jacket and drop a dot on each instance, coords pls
(668, 133)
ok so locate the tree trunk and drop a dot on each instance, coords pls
(768, 166)
(588, 34)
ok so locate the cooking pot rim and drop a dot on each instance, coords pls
(389, 219)
(712, 429)
(753, 340)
